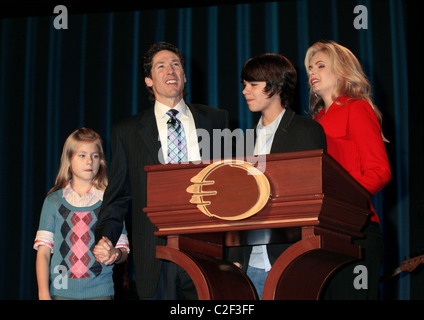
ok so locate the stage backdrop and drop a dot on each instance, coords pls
(53, 81)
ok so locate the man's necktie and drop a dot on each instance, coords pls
(177, 145)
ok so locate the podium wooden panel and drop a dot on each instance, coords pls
(313, 203)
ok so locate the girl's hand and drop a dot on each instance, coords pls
(105, 252)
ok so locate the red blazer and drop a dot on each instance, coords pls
(354, 140)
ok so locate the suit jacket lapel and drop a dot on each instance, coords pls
(202, 122)
(200, 119)
(149, 133)
(281, 133)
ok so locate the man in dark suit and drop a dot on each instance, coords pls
(142, 140)
(269, 81)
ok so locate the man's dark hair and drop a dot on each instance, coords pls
(278, 73)
(148, 60)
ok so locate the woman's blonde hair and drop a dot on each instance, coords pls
(82, 135)
(352, 80)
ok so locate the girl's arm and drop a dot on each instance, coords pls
(42, 266)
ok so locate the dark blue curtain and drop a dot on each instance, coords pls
(54, 81)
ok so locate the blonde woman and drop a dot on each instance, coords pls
(66, 265)
(340, 100)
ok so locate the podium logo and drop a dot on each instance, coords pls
(230, 190)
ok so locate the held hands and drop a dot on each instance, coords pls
(105, 252)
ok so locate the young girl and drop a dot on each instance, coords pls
(66, 266)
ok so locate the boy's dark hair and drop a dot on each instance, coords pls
(148, 59)
(278, 73)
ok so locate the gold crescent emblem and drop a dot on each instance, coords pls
(230, 190)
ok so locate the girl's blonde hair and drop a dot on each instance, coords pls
(82, 135)
(352, 80)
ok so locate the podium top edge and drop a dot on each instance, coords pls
(269, 157)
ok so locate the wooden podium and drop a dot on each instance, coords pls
(303, 198)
